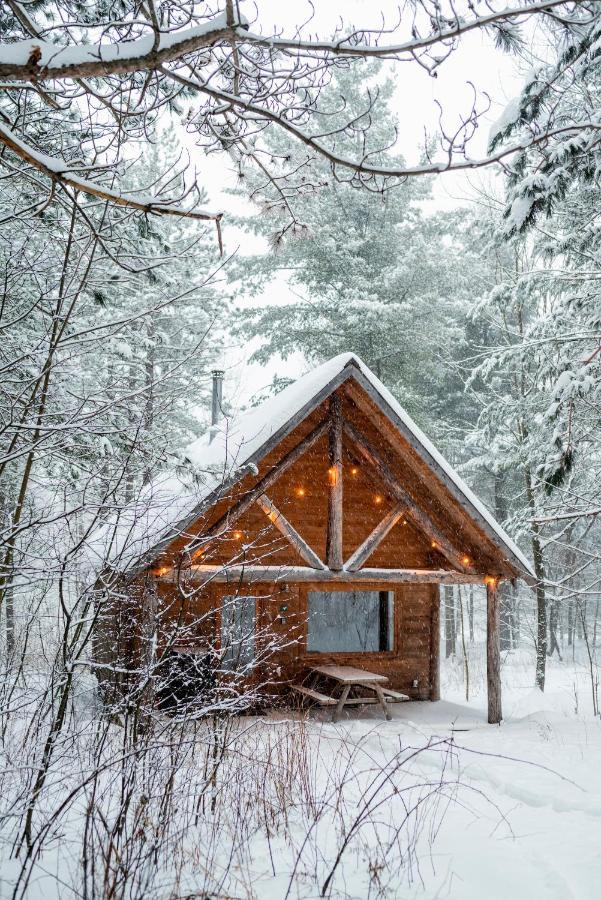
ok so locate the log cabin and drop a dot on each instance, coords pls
(316, 528)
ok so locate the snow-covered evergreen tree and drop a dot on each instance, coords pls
(374, 272)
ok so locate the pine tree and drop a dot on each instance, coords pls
(370, 269)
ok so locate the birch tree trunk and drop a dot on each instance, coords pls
(449, 621)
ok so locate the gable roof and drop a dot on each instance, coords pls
(174, 501)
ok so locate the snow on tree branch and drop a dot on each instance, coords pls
(60, 173)
(39, 60)
(228, 82)
(36, 60)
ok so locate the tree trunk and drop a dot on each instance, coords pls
(515, 619)
(435, 647)
(471, 613)
(541, 600)
(505, 615)
(553, 622)
(449, 621)
(466, 664)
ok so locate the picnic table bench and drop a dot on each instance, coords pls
(347, 679)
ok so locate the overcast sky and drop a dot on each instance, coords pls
(476, 62)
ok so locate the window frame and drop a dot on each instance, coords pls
(251, 665)
(345, 588)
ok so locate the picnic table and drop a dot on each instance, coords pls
(347, 679)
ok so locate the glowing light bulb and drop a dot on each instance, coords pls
(354, 470)
(434, 545)
(238, 535)
(378, 499)
(300, 492)
(466, 560)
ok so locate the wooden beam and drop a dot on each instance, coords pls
(238, 509)
(335, 487)
(493, 655)
(435, 647)
(244, 573)
(374, 539)
(413, 511)
(289, 531)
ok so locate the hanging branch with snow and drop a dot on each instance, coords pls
(114, 72)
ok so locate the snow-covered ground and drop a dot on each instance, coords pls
(433, 804)
(526, 821)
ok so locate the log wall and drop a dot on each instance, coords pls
(282, 632)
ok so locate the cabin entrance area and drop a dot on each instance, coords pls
(284, 636)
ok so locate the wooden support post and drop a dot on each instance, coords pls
(493, 656)
(334, 533)
(435, 645)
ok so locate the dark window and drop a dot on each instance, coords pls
(238, 616)
(350, 621)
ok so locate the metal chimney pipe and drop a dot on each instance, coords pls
(217, 396)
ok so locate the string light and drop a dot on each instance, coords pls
(300, 492)
(238, 535)
(466, 560)
(354, 470)
(491, 580)
(434, 545)
(378, 499)
(333, 475)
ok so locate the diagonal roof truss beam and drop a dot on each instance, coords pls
(418, 516)
(229, 518)
(289, 532)
(373, 540)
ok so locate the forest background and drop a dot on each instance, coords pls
(178, 182)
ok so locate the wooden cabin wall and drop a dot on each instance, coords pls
(116, 637)
(413, 639)
(405, 546)
(255, 540)
(282, 632)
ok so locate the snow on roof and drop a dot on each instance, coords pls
(169, 505)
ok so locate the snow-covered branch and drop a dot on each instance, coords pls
(454, 162)
(40, 60)
(445, 30)
(567, 516)
(59, 172)
(133, 64)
